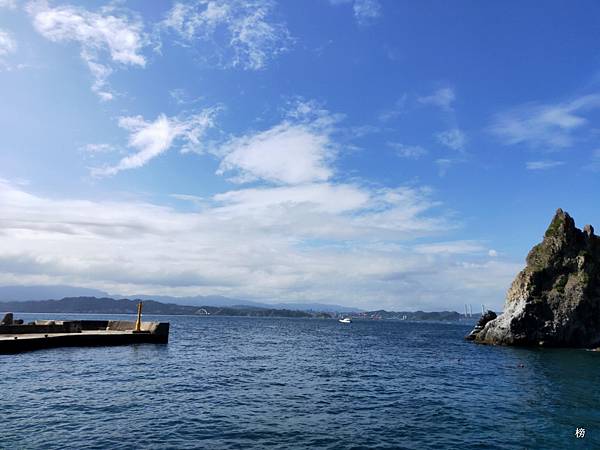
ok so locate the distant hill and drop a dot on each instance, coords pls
(218, 300)
(25, 293)
(106, 305)
(198, 300)
(94, 305)
(92, 301)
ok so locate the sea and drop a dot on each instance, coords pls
(256, 383)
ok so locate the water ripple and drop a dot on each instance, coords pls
(239, 383)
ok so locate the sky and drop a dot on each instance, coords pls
(373, 153)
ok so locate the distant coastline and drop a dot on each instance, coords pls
(106, 305)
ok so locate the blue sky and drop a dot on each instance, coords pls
(378, 154)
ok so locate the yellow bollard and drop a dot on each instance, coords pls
(138, 322)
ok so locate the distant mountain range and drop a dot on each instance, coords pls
(25, 293)
(106, 305)
(217, 300)
(94, 305)
(70, 299)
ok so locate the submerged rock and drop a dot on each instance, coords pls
(555, 300)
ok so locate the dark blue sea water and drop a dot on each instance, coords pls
(244, 383)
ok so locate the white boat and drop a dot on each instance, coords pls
(345, 320)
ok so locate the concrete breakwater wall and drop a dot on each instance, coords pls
(18, 337)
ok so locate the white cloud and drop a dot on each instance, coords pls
(100, 73)
(545, 125)
(244, 32)
(320, 241)
(408, 151)
(442, 98)
(298, 150)
(98, 34)
(454, 139)
(543, 165)
(150, 139)
(289, 154)
(492, 253)
(7, 43)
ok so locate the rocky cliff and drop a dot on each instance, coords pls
(483, 320)
(555, 300)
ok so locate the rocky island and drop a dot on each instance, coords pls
(555, 300)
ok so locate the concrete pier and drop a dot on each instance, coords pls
(39, 335)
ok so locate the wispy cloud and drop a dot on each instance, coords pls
(8, 46)
(398, 109)
(244, 33)
(151, 139)
(99, 34)
(181, 97)
(453, 138)
(452, 247)
(545, 125)
(317, 241)
(10, 4)
(543, 165)
(442, 98)
(594, 164)
(408, 151)
(7, 43)
(443, 165)
(365, 11)
(195, 199)
(94, 150)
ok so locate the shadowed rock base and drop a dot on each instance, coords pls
(555, 300)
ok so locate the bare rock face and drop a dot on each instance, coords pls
(555, 300)
(7, 319)
(483, 320)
